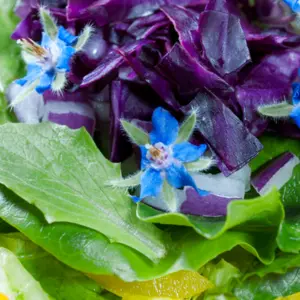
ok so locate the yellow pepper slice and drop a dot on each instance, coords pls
(138, 297)
(291, 297)
(183, 284)
(3, 297)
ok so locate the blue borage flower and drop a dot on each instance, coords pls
(294, 5)
(48, 62)
(295, 114)
(285, 109)
(166, 155)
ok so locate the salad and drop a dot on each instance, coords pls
(149, 149)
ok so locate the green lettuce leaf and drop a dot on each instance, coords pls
(282, 263)
(263, 213)
(289, 234)
(270, 286)
(58, 280)
(15, 281)
(89, 251)
(224, 276)
(11, 64)
(62, 172)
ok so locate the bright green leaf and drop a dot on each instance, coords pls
(64, 174)
(91, 252)
(263, 213)
(223, 276)
(187, 128)
(270, 286)
(289, 234)
(58, 280)
(280, 265)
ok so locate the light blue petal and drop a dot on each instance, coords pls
(296, 93)
(151, 184)
(179, 177)
(295, 114)
(65, 58)
(66, 36)
(45, 40)
(293, 4)
(165, 127)
(33, 73)
(144, 160)
(45, 82)
(187, 152)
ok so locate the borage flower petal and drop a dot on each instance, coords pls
(165, 127)
(151, 184)
(187, 152)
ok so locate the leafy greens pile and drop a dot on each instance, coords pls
(220, 58)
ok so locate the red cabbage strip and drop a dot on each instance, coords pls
(188, 74)
(227, 136)
(185, 22)
(223, 41)
(156, 81)
(104, 12)
(70, 109)
(142, 25)
(207, 206)
(108, 11)
(277, 174)
(107, 70)
(269, 82)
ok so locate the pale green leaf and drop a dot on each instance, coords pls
(15, 280)
(26, 90)
(279, 110)
(187, 128)
(130, 181)
(48, 23)
(204, 163)
(136, 134)
(59, 82)
(57, 279)
(84, 37)
(64, 174)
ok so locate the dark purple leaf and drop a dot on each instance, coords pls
(269, 82)
(107, 70)
(188, 74)
(185, 22)
(155, 80)
(223, 41)
(141, 25)
(234, 145)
